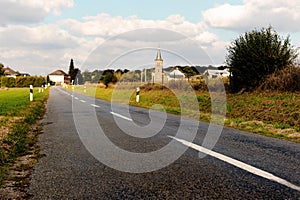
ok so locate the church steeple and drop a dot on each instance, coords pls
(158, 55)
(158, 73)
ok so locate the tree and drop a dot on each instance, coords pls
(77, 77)
(71, 67)
(108, 77)
(87, 76)
(1, 69)
(72, 71)
(255, 55)
(189, 72)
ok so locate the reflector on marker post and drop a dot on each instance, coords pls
(137, 98)
(31, 93)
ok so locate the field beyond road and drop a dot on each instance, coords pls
(17, 135)
(272, 114)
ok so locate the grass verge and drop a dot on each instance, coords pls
(273, 114)
(17, 117)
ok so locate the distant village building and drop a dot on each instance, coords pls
(8, 72)
(176, 75)
(161, 77)
(211, 73)
(59, 77)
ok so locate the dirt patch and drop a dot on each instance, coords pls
(6, 127)
(18, 178)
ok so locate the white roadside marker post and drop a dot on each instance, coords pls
(42, 88)
(137, 98)
(31, 93)
(84, 90)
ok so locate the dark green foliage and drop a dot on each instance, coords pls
(189, 72)
(71, 67)
(255, 55)
(1, 69)
(72, 71)
(108, 76)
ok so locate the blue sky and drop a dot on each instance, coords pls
(155, 9)
(39, 37)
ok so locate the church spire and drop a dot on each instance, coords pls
(158, 55)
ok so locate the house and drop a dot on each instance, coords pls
(8, 72)
(214, 73)
(175, 75)
(59, 77)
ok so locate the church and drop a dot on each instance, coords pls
(161, 77)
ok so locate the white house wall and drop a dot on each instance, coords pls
(58, 79)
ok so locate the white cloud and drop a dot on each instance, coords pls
(104, 25)
(284, 15)
(39, 49)
(206, 37)
(30, 11)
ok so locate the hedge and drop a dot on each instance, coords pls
(36, 81)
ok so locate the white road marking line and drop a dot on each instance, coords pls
(76, 98)
(121, 116)
(83, 101)
(95, 106)
(238, 164)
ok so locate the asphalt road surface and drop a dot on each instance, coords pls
(84, 160)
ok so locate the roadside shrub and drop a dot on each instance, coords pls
(286, 80)
(199, 86)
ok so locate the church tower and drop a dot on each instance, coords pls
(158, 76)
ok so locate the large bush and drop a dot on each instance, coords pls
(255, 55)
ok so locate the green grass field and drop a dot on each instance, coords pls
(17, 114)
(270, 113)
(15, 99)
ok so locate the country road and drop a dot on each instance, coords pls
(85, 160)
